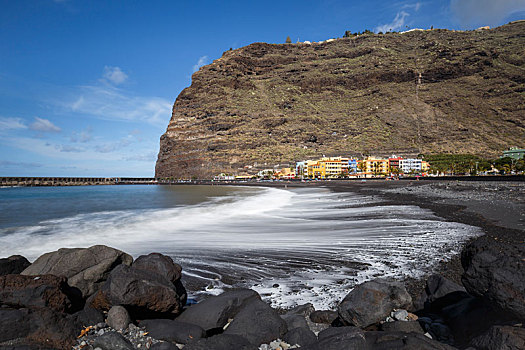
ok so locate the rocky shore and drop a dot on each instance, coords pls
(101, 298)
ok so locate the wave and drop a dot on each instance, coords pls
(139, 231)
(292, 246)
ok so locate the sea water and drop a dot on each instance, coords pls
(291, 245)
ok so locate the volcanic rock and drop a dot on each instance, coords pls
(501, 337)
(49, 291)
(215, 311)
(159, 264)
(336, 338)
(143, 293)
(438, 287)
(402, 326)
(173, 331)
(258, 323)
(323, 316)
(300, 335)
(84, 268)
(372, 301)
(118, 318)
(496, 271)
(401, 340)
(221, 342)
(14, 324)
(112, 341)
(13, 265)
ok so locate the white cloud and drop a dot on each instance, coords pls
(147, 157)
(203, 60)
(44, 125)
(11, 123)
(82, 136)
(10, 164)
(397, 23)
(68, 148)
(110, 103)
(115, 146)
(115, 75)
(484, 12)
(416, 6)
(48, 149)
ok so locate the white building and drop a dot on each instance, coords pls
(410, 165)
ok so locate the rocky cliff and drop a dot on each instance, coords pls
(435, 91)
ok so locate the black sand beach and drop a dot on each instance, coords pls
(475, 299)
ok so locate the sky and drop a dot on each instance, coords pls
(87, 86)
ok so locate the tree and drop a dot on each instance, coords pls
(288, 40)
(362, 166)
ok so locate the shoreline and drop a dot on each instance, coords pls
(479, 213)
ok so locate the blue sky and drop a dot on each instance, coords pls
(86, 87)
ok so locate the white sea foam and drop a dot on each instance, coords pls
(292, 246)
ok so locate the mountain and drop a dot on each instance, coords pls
(432, 91)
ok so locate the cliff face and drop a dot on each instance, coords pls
(424, 91)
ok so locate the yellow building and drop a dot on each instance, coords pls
(425, 166)
(307, 167)
(327, 167)
(334, 165)
(317, 170)
(286, 173)
(374, 166)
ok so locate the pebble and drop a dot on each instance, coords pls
(278, 344)
(400, 315)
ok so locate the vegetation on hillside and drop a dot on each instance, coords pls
(471, 164)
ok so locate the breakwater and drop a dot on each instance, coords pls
(74, 181)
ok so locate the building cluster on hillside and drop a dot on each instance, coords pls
(341, 167)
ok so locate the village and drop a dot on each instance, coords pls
(340, 167)
(511, 162)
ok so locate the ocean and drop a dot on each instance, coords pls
(291, 245)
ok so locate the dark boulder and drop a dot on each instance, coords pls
(88, 316)
(501, 337)
(144, 294)
(323, 316)
(13, 265)
(470, 317)
(496, 271)
(294, 321)
(159, 264)
(112, 341)
(258, 323)
(38, 328)
(302, 336)
(49, 291)
(52, 329)
(438, 287)
(372, 301)
(84, 268)
(164, 266)
(215, 311)
(221, 342)
(14, 324)
(301, 310)
(173, 331)
(118, 318)
(400, 340)
(165, 345)
(402, 326)
(336, 338)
